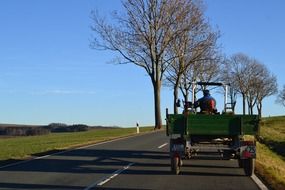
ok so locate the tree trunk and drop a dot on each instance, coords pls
(259, 109)
(250, 108)
(234, 106)
(243, 104)
(157, 110)
(175, 93)
(175, 96)
(187, 96)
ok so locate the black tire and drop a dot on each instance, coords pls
(180, 162)
(240, 163)
(172, 164)
(248, 166)
(175, 165)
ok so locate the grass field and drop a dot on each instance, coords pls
(270, 162)
(24, 147)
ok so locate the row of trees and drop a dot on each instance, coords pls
(23, 131)
(174, 43)
(62, 127)
(41, 130)
(251, 79)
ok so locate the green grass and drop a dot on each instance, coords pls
(272, 132)
(24, 147)
(270, 161)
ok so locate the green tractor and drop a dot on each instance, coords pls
(231, 135)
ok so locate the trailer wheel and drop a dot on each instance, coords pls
(240, 163)
(248, 166)
(175, 165)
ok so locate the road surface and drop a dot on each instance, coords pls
(139, 162)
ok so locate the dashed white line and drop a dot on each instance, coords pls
(107, 179)
(163, 145)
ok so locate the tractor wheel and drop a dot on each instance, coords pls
(172, 164)
(175, 165)
(240, 163)
(248, 166)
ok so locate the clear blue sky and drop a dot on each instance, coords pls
(48, 73)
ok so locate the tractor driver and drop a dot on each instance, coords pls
(207, 103)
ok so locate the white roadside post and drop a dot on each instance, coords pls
(138, 128)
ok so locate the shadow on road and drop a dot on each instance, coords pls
(210, 174)
(105, 162)
(91, 161)
(37, 186)
(112, 188)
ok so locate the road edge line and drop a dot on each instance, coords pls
(258, 182)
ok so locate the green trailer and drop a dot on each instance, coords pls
(231, 135)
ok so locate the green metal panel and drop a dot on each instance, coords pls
(213, 124)
(176, 123)
(249, 124)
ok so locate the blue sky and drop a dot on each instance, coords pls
(48, 73)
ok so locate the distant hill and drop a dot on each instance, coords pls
(18, 125)
(31, 130)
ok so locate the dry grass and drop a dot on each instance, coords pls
(270, 161)
(270, 167)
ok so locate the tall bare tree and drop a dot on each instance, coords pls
(179, 49)
(194, 46)
(142, 35)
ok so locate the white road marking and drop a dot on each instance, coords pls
(163, 145)
(108, 178)
(258, 182)
(14, 164)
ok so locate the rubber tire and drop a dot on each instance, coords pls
(172, 164)
(248, 166)
(240, 163)
(175, 165)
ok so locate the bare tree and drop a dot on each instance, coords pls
(202, 65)
(142, 35)
(197, 45)
(236, 72)
(188, 77)
(281, 96)
(266, 85)
(200, 70)
(256, 72)
(260, 84)
(251, 79)
(227, 77)
(179, 49)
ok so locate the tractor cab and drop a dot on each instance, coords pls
(206, 104)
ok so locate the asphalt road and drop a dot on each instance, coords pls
(140, 162)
